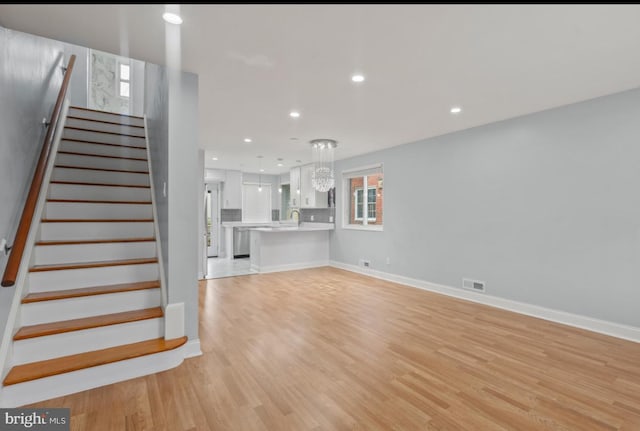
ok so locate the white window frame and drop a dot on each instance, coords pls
(347, 175)
(120, 80)
(365, 202)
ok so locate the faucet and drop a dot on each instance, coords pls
(297, 211)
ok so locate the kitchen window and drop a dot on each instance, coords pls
(363, 194)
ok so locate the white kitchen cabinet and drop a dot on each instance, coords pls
(232, 192)
(309, 196)
(295, 192)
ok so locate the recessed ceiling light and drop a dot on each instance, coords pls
(294, 114)
(456, 110)
(279, 164)
(172, 18)
(247, 140)
(357, 78)
(261, 170)
(214, 158)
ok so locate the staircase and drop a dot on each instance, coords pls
(93, 310)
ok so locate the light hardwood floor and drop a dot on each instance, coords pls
(326, 349)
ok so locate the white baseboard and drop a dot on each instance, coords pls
(192, 348)
(617, 330)
(289, 267)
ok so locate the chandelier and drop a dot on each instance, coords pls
(322, 176)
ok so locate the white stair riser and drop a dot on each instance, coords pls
(35, 313)
(101, 162)
(105, 116)
(104, 150)
(88, 378)
(62, 231)
(102, 177)
(87, 135)
(78, 253)
(98, 193)
(45, 281)
(81, 210)
(71, 343)
(105, 127)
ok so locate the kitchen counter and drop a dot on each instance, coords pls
(274, 249)
(228, 226)
(304, 227)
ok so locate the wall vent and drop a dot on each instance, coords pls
(365, 263)
(476, 285)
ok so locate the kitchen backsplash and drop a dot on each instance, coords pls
(230, 214)
(275, 215)
(320, 215)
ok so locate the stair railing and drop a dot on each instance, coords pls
(17, 250)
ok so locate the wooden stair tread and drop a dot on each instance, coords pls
(110, 144)
(84, 168)
(60, 327)
(103, 156)
(66, 364)
(85, 265)
(89, 291)
(87, 201)
(82, 183)
(94, 241)
(84, 129)
(103, 121)
(105, 112)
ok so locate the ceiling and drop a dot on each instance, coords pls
(256, 63)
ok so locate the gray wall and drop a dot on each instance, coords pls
(184, 177)
(30, 78)
(157, 110)
(172, 111)
(544, 208)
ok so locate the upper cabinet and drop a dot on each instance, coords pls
(232, 192)
(309, 196)
(294, 190)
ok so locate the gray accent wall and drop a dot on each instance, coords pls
(30, 79)
(544, 208)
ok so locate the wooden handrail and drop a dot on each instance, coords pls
(17, 250)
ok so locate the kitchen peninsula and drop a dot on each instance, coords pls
(288, 247)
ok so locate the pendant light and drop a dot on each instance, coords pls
(322, 176)
(260, 174)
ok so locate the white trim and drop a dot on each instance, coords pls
(369, 227)
(192, 349)
(289, 267)
(174, 320)
(613, 329)
(156, 227)
(21, 289)
(361, 168)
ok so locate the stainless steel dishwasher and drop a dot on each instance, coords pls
(241, 242)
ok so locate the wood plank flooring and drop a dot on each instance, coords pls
(326, 349)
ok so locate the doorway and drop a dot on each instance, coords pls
(212, 225)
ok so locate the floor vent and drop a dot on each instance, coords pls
(476, 285)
